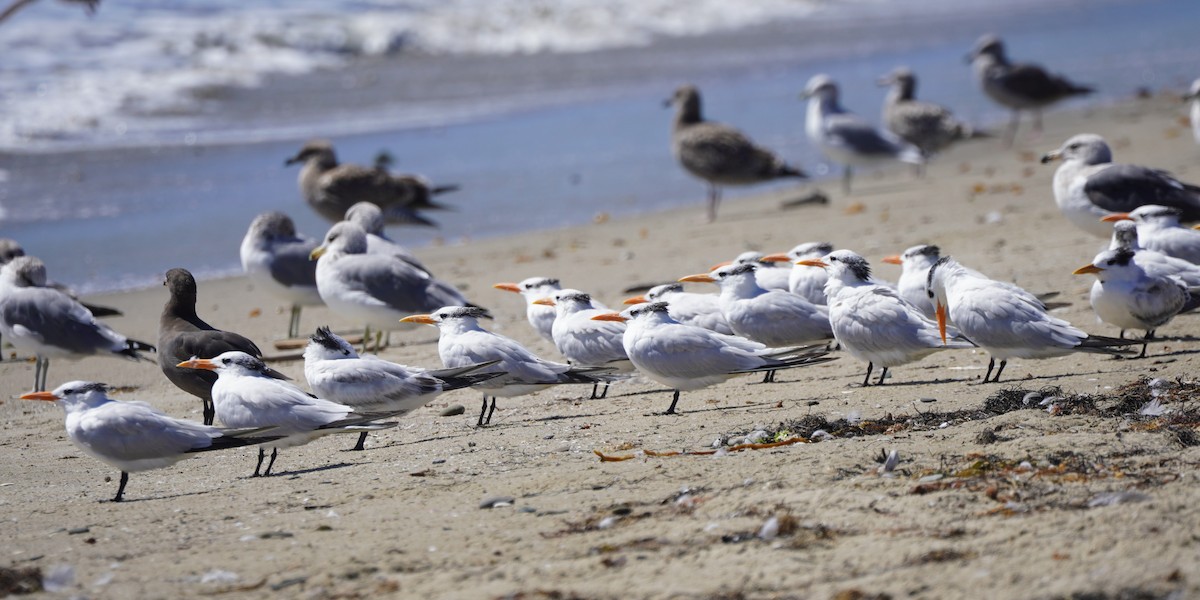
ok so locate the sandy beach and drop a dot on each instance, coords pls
(1077, 498)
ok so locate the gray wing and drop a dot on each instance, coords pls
(131, 431)
(291, 265)
(399, 284)
(1123, 188)
(859, 136)
(57, 320)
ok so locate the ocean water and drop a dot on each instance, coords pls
(148, 136)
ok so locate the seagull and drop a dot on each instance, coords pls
(915, 263)
(540, 316)
(134, 436)
(10, 249)
(372, 288)
(49, 324)
(775, 318)
(1003, 319)
(701, 310)
(768, 273)
(182, 334)
(871, 321)
(717, 153)
(1021, 86)
(370, 218)
(1158, 229)
(846, 138)
(1193, 98)
(276, 258)
(686, 357)
(331, 188)
(586, 343)
(463, 342)
(1125, 237)
(930, 127)
(1089, 186)
(370, 384)
(803, 281)
(1126, 296)
(249, 394)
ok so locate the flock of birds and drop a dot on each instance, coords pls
(772, 312)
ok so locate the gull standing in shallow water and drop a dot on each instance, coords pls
(586, 343)
(685, 357)
(134, 436)
(701, 310)
(1003, 319)
(182, 334)
(1019, 86)
(1158, 229)
(463, 342)
(276, 257)
(532, 289)
(847, 139)
(717, 153)
(374, 289)
(1126, 296)
(49, 324)
(871, 321)
(370, 384)
(1089, 186)
(930, 127)
(248, 394)
(331, 188)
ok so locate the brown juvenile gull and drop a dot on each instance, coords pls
(928, 126)
(719, 154)
(1019, 86)
(183, 335)
(276, 257)
(331, 188)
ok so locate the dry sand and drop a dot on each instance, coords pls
(403, 518)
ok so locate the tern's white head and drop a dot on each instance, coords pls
(367, 215)
(454, 317)
(1163, 216)
(233, 362)
(343, 238)
(916, 258)
(845, 266)
(74, 395)
(643, 314)
(326, 345)
(532, 288)
(736, 278)
(1112, 265)
(568, 301)
(1085, 148)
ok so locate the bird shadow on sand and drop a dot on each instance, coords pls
(436, 438)
(299, 472)
(157, 498)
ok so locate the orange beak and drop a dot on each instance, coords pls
(422, 319)
(1084, 270)
(783, 257)
(724, 263)
(547, 301)
(1195, 226)
(198, 363)
(635, 300)
(941, 319)
(508, 287)
(812, 262)
(893, 260)
(699, 278)
(47, 396)
(610, 316)
(1113, 218)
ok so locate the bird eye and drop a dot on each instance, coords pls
(225, 361)
(930, 293)
(1074, 146)
(69, 392)
(1112, 262)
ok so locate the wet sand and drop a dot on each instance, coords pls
(962, 515)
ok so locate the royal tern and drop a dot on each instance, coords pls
(370, 218)
(275, 257)
(134, 436)
(249, 394)
(331, 188)
(1193, 99)
(374, 289)
(463, 342)
(1020, 86)
(717, 153)
(775, 318)
(803, 281)
(1126, 296)
(846, 138)
(930, 127)
(871, 321)
(1125, 237)
(915, 263)
(769, 274)
(701, 310)
(586, 343)
(532, 289)
(686, 357)
(1003, 319)
(1158, 229)
(1089, 186)
(370, 384)
(49, 324)
(182, 334)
